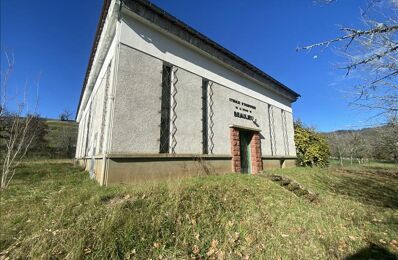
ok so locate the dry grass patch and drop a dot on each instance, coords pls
(55, 210)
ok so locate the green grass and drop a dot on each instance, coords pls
(55, 210)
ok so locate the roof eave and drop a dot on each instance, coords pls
(151, 7)
(97, 37)
(144, 8)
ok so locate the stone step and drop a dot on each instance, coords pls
(292, 186)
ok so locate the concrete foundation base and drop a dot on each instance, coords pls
(278, 162)
(288, 163)
(138, 170)
(94, 165)
(142, 168)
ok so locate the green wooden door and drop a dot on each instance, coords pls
(244, 140)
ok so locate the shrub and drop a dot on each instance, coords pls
(312, 148)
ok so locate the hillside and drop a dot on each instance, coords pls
(56, 139)
(62, 137)
(379, 143)
(368, 131)
(57, 129)
(211, 217)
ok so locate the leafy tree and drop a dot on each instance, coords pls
(312, 147)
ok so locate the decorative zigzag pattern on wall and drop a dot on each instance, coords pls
(284, 130)
(211, 118)
(105, 108)
(272, 129)
(88, 132)
(173, 109)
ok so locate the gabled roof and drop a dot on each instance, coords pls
(171, 24)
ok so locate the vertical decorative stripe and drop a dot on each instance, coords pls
(205, 117)
(104, 108)
(173, 110)
(82, 125)
(272, 129)
(211, 117)
(84, 136)
(165, 110)
(86, 145)
(284, 130)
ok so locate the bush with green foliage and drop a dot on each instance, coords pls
(312, 148)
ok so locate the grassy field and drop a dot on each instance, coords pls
(53, 210)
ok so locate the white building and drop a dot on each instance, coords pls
(162, 100)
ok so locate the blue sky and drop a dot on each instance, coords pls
(53, 39)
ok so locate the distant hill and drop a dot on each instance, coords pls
(56, 139)
(367, 133)
(57, 129)
(371, 143)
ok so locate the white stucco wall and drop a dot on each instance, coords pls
(224, 117)
(136, 125)
(188, 112)
(79, 144)
(137, 103)
(279, 140)
(141, 51)
(92, 117)
(149, 40)
(104, 49)
(98, 115)
(290, 133)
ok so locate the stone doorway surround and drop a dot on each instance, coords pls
(255, 149)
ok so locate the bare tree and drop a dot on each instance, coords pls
(17, 129)
(66, 115)
(66, 141)
(372, 52)
(356, 147)
(337, 147)
(386, 145)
